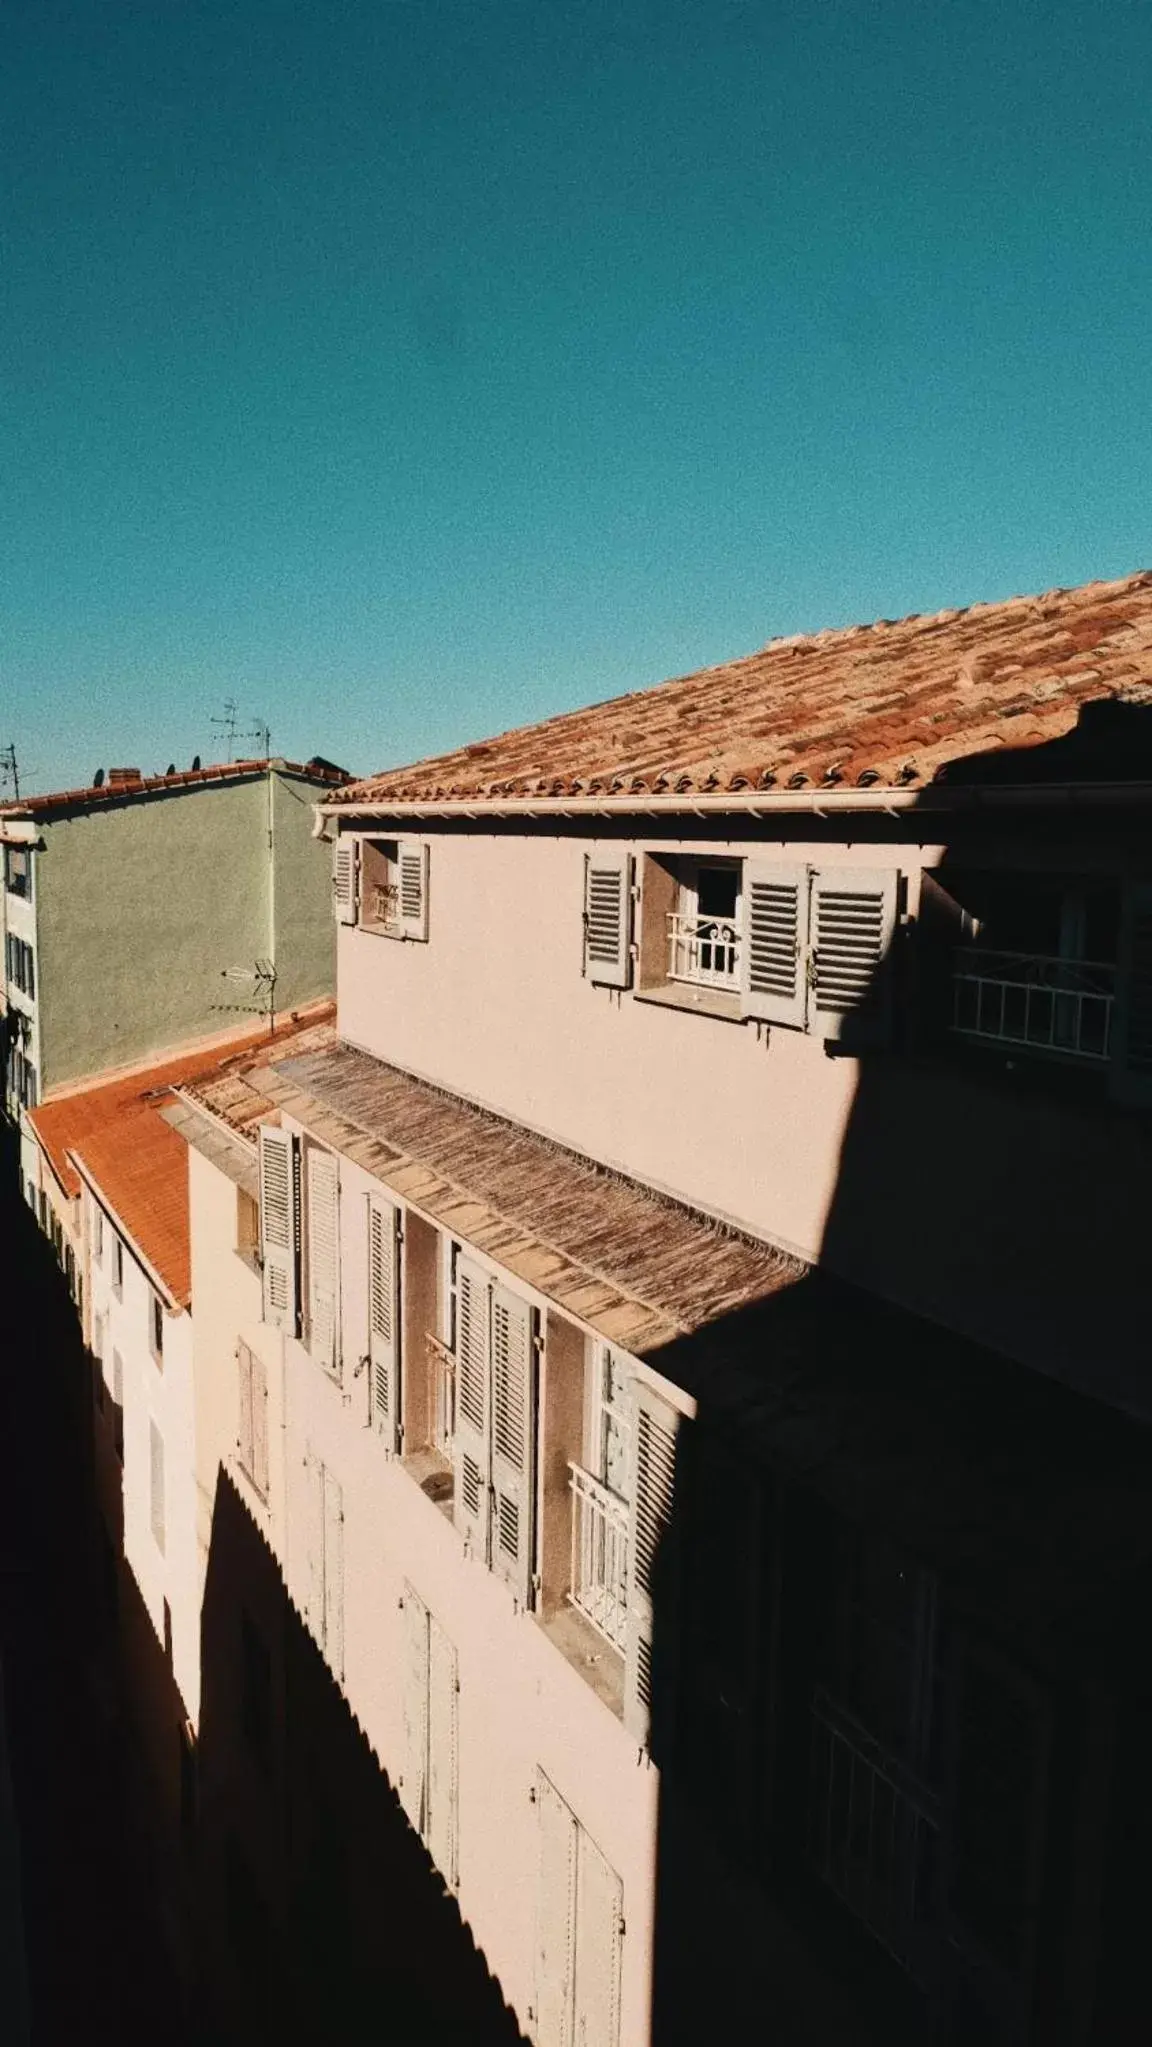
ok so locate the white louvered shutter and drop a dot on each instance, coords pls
(414, 1770)
(345, 877)
(244, 1397)
(471, 1492)
(383, 1320)
(851, 926)
(653, 1483)
(774, 942)
(513, 1440)
(412, 880)
(555, 1917)
(323, 1259)
(608, 916)
(312, 1518)
(443, 1753)
(1132, 1022)
(279, 1227)
(599, 1920)
(333, 1507)
(259, 1392)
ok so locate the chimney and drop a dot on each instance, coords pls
(124, 778)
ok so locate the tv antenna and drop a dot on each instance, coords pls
(261, 978)
(261, 733)
(9, 772)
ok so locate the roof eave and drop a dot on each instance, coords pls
(758, 802)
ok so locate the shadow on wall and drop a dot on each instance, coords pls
(901, 1695)
(323, 1916)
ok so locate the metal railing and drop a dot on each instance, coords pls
(703, 950)
(872, 1834)
(1026, 998)
(383, 904)
(599, 1555)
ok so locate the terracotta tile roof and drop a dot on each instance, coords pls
(140, 1165)
(891, 703)
(150, 785)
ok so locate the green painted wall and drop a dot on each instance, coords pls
(141, 905)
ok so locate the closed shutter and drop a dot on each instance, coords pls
(414, 1771)
(412, 863)
(312, 1520)
(156, 1461)
(333, 1508)
(608, 916)
(774, 941)
(555, 1917)
(471, 1497)
(383, 1348)
(513, 1440)
(323, 1259)
(852, 920)
(279, 1227)
(599, 1924)
(653, 1482)
(345, 874)
(244, 1399)
(259, 1384)
(1133, 1009)
(443, 1752)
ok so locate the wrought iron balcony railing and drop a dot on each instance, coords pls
(703, 950)
(599, 1587)
(1025, 998)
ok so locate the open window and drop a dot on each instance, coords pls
(394, 887)
(1034, 962)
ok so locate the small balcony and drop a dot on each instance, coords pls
(703, 951)
(599, 1587)
(872, 1835)
(1023, 998)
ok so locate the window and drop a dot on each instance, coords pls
(18, 871)
(495, 1425)
(704, 929)
(20, 962)
(323, 1258)
(248, 1227)
(156, 1485)
(156, 1327)
(117, 1265)
(252, 1433)
(601, 1494)
(324, 1560)
(382, 885)
(580, 1926)
(1036, 962)
(429, 1780)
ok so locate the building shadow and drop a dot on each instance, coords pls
(902, 1685)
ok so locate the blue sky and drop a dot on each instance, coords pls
(407, 369)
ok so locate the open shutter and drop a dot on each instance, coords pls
(471, 1494)
(443, 1766)
(998, 1768)
(1132, 1072)
(333, 1507)
(599, 1920)
(383, 1318)
(653, 1481)
(513, 1440)
(312, 1588)
(323, 1259)
(412, 862)
(772, 977)
(852, 921)
(414, 1771)
(345, 877)
(279, 1227)
(608, 916)
(555, 1917)
(244, 1394)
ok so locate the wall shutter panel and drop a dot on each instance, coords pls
(414, 1772)
(851, 927)
(383, 1320)
(279, 1227)
(599, 1918)
(313, 1529)
(608, 916)
(345, 879)
(259, 1384)
(443, 1752)
(333, 1509)
(471, 1499)
(1132, 1021)
(555, 1917)
(156, 1490)
(323, 1250)
(244, 1432)
(653, 1481)
(513, 1441)
(773, 983)
(412, 876)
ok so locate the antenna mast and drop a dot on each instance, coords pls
(9, 772)
(227, 724)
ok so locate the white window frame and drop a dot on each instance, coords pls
(688, 870)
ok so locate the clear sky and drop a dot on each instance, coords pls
(408, 369)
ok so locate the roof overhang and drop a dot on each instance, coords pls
(142, 1259)
(937, 796)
